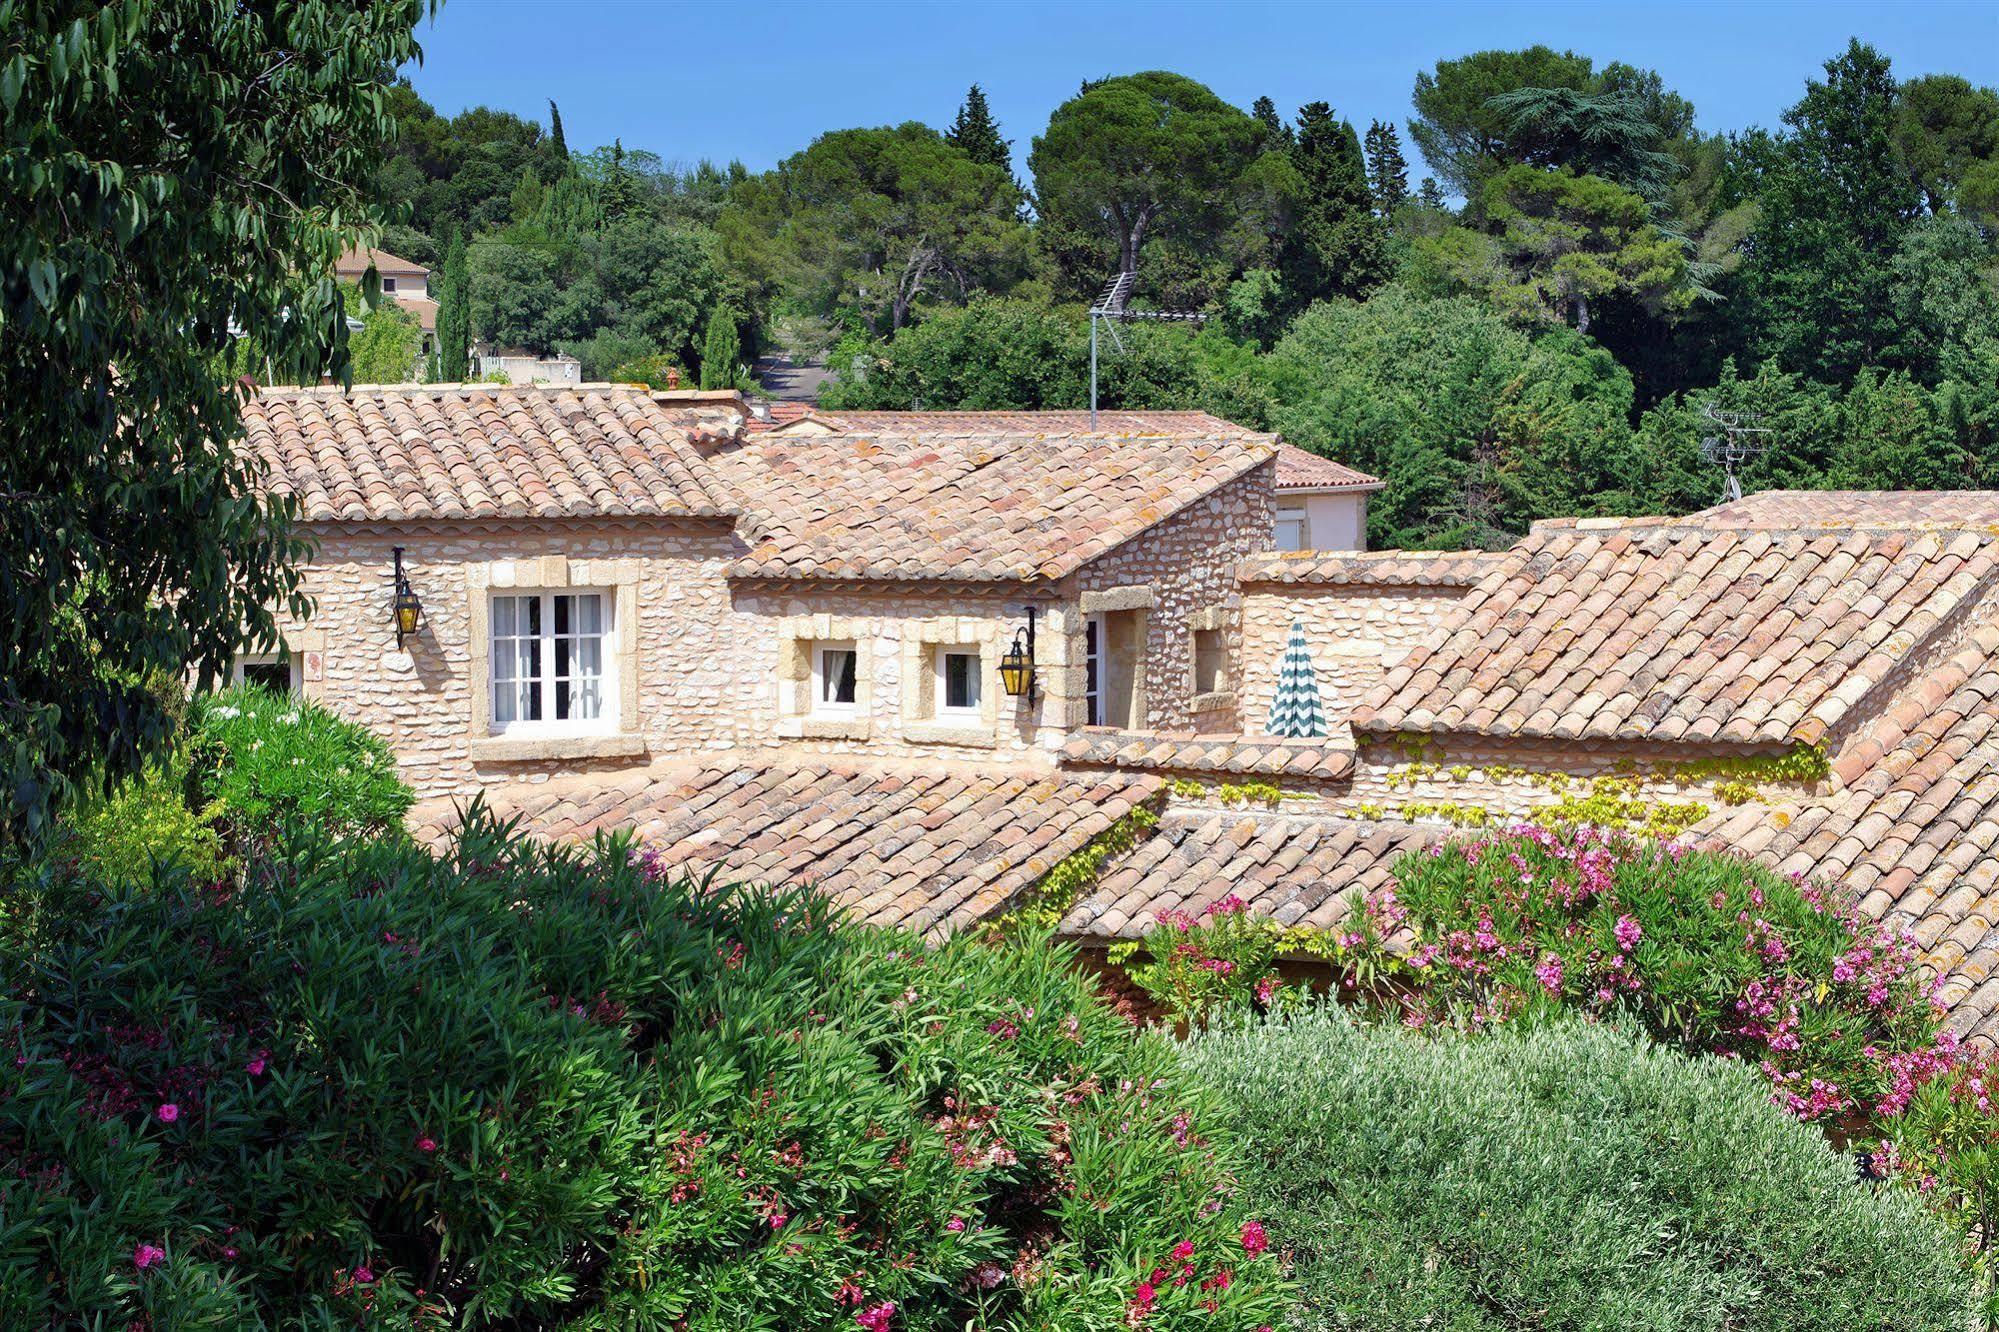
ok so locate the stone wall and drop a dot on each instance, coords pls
(1356, 632)
(1188, 563)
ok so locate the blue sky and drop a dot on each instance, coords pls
(756, 81)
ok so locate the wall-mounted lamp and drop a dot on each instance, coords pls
(408, 610)
(1017, 666)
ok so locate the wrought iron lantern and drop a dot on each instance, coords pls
(1017, 666)
(408, 610)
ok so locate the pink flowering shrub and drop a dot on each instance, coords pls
(516, 1086)
(1712, 953)
(1194, 965)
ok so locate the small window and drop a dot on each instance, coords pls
(267, 671)
(960, 686)
(1211, 662)
(549, 662)
(835, 677)
(1290, 532)
(1093, 671)
(388, 284)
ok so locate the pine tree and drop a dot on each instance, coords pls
(555, 129)
(1276, 134)
(1336, 246)
(1430, 194)
(976, 134)
(1387, 172)
(721, 350)
(454, 314)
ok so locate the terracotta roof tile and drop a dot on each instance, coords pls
(1375, 568)
(973, 506)
(1671, 632)
(476, 451)
(1323, 759)
(925, 850)
(1299, 470)
(356, 260)
(1860, 508)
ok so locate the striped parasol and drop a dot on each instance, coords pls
(1295, 709)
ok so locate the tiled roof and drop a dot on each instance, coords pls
(1912, 826)
(1198, 425)
(1322, 759)
(926, 850)
(1855, 508)
(1297, 869)
(422, 307)
(356, 260)
(1299, 470)
(476, 451)
(1374, 568)
(1662, 631)
(963, 507)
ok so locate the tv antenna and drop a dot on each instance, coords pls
(1109, 310)
(1737, 442)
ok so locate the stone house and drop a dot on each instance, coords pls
(774, 652)
(403, 281)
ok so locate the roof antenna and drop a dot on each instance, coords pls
(1110, 308)
(1738, 442)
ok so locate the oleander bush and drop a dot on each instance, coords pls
(1557, 1176)
(155, 814)
(1711, 952)
(272, 759)
(513, 1086)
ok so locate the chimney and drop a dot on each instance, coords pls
(672, 378)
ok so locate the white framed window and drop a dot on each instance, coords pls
(835, 679)
(960, 684)
(1093, 670)
(388, 284)
(274, 671)
(551, 661)
(1290, 530)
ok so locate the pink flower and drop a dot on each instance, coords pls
(1254, 1241)
(168, 1113)
(426, 1144)
(1183, 1251)
(364, 1276)
(1628, 932)
(255, 1067)
(876, 1317)
(955, 1224)
(146, 1255)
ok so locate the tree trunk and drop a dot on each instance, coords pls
(1579, 303)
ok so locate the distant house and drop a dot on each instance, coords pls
(404, 282)
(524, 367)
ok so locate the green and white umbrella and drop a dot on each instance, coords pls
(1295, 709)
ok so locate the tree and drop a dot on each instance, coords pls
(1276, 134)
(1568, 240)
(1836, 201)
(1387, 172)
(1462, 136)
(454, 315)
(388, 346)
(721, 350)
(555, 130)
(1944, 126)
(1605, 134)
(1132, 155)
(977, 135)
(167, 174)
(876, 220)
(1335, 243)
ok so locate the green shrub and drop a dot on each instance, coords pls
(146, 818)
(1713, 953)
(274, 759)
(1559, 1176)
(518, 1086)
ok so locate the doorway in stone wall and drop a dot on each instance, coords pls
(1114, 668)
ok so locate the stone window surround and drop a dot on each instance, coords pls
(920, 641)
(619, 578)
(797, 637)
(1213, 619)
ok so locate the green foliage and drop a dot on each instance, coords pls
(275, 759)
(1044, 905)
(119, 835)
(1561, 1178)
(1133, 156)
(1387, 171)
(1197, 966)
(1334, 243)
(977, 135)
(721, 350)
(1477, 426)
(170, 169)
(454, 315)
(1944, 127)
(517, 1086)
(1463, 136)
(389, 347)
(1711, 953)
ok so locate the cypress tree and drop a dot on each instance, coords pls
(977, 135)
(454, 314)
(721, 350)
(555, 129)
(1387, 172)
(1336, 246)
